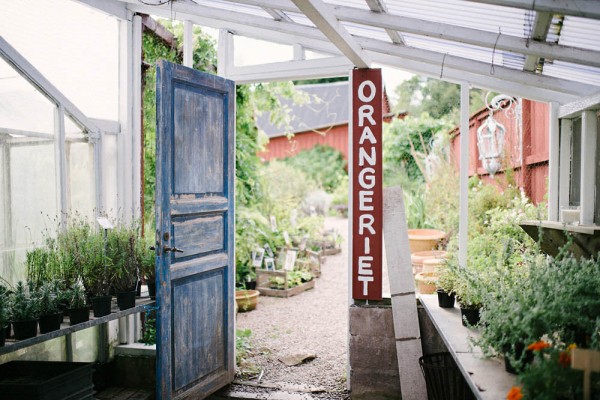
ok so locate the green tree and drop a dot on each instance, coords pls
(437, 98)
(405, 144)
(323, 164)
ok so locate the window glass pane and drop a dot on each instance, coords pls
(81, 174)
(19, 102)
(109, 175)
(575, 181)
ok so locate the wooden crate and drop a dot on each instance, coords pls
(311, 262)
(262, 284)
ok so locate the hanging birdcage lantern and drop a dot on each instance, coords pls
(490, 143)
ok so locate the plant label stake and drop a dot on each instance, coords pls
(588, 361)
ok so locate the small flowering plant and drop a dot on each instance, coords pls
(551, 377)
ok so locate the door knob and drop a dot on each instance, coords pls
(167, 249)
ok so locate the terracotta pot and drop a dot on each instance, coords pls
(426, 282)
(246, 300)
(434, 265)
(424, 239)
(420, 256)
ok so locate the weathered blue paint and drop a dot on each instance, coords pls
(194, 213)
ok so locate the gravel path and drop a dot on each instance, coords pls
(315, 321)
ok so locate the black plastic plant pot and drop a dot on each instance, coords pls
(471, 315)
(2, 337)
(79, 315)
(445, 300)
(101, 305)
(50, 323)
(151, 288)
(7, 331)
(25, 329)
(126, 300)
(518, 353)
(251, 285)
(138, 289)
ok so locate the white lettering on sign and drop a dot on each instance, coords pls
(367, 158)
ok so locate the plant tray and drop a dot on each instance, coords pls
(46, 380)
(262, 284)
(267, 291)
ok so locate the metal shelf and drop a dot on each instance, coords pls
(13, 345)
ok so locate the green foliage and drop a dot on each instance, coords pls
(49, 298)
(548, 378)
(149, 334)
(323, 164)
(122, 250)
(285, 189)
(406, 142)
(24, 305)
(437, 98)
(4, 307)
(76, 296)
(321, 80)
(243, 350)
(294, 278)
(147, 257)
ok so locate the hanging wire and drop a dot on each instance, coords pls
(492, 69)
(443, 61)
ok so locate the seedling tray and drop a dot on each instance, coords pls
(45, 380)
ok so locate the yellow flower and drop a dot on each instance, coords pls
(514, 393)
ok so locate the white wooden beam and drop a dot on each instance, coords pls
(322, 16)
(379, 6)
(539, 32)
(566, 130)
(553, 162)
(484, 82)
(61, 166)
(31, 74)
(578, 8)
(136, 115)
(278, 15)
(299, 52)
(188, 44)
(292, 70)
(225, 54)
(478, 67)
(113, 8)
(463, 224)
(468, 35)
(576, 107)
(589, 133)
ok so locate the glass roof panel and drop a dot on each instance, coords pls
(510, 21)
(350, 3)
(300, 18)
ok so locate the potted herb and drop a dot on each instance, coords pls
(446, 287)
(4, 314)
(78, 310)
(24, 311)
(95, 271)
(51, 316)
(124, 253)
(147, 258)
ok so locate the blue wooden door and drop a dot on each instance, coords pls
(194, 219)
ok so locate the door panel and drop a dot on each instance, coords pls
(195, 215)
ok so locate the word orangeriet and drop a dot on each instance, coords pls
(367, 199)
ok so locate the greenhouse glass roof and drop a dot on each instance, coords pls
(544, 49)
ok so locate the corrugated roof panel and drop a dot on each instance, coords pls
(349, 3)
(239, 8)
(461, 50)
(580, 32)
(300, 18)
(573, 72)
(510, 21)
(367, 31)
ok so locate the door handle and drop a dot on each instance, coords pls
(167, 249)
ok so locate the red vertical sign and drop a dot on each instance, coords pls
(367, 184)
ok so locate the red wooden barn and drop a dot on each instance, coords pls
(525, 151)
(323, 120)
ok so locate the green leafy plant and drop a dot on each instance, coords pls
(76, 296)
(149, 334)
(147, 258)
(24, 304)
(124, 254)
(4, 306)
(323, 164)
(49, 298)
(294, 278)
